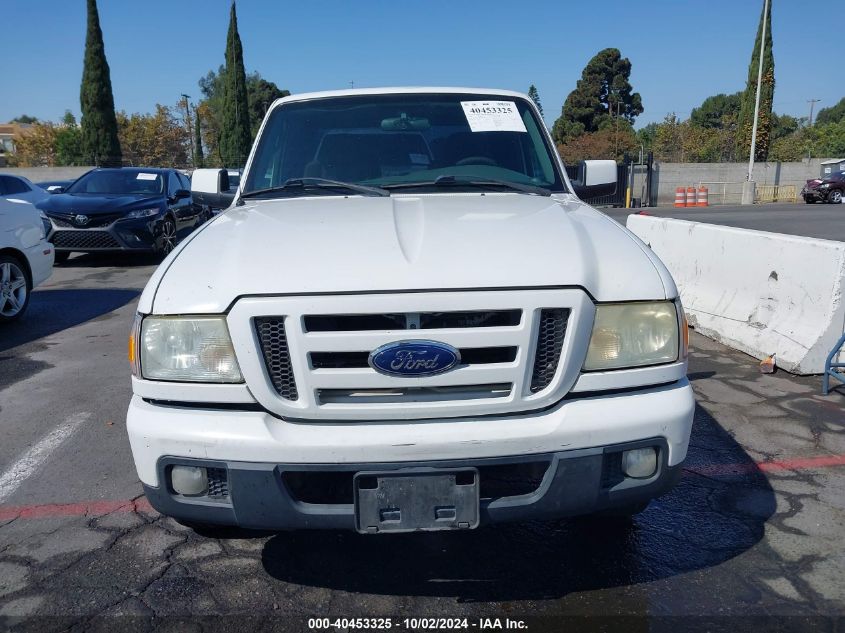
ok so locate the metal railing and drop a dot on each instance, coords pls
(776, 193)
(723, 192)
(831, 368)
(731, 193)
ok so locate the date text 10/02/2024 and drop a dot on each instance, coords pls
(415, 624)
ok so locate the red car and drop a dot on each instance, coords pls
(830, 189)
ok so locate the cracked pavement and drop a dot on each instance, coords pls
(79, 546)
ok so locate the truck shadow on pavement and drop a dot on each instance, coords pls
(52, 311)
(717, 511)
(119, 260)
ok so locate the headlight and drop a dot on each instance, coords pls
(633, 335)
(193, 349)
(141, 213)
(45, 222)
(824, 185)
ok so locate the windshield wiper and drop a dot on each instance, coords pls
(316, 183)
(447, 181)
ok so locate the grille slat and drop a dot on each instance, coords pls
(413, 394)
(411, 321)
(274, 347)
(357, 360)
(550, 337)
(84, 239)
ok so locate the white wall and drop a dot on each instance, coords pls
(668, 176)
(39, 174)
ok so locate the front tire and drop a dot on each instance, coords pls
(810, 200)
(834, 197)
(169, 239)
(15, 288)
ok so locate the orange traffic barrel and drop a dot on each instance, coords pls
(680, 197)
(701, 197)
(690, 196)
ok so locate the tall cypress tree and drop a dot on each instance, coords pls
(199, 158)
(235, 137)
(767, 92)
(100, 144)
(535, 97)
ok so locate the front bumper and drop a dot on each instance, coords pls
(255, 449)
(142, 234)
(40, 258)
(258, 497)
(815, 194)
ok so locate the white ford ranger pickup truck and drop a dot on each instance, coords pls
(408, 320)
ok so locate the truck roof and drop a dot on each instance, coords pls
(493, 92)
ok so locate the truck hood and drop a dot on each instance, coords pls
(427, 242)
(92, 204)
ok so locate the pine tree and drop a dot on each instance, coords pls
(235, 137)
(767, 91)
(602, 94)
(535, 97)
(100, 143)
(199, 159)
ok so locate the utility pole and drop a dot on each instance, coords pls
(190, 129)
(759, 85)
(812, 102)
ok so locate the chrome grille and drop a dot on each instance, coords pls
(274, 347)
(550, 335)
(306, 357)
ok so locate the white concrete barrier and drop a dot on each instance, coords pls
(762, 293)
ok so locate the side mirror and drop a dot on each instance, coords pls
(181, 194)
(596, 178)
(210, 187)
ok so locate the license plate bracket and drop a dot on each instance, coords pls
(411, 500)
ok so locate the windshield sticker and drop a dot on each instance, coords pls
(146, 176)
(493, 116)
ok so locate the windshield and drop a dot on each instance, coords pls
(119, 181)
(403, 140)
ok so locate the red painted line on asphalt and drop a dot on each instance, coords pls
(799, 463)
(84, 508)
(102, 508)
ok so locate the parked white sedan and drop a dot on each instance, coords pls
(20, 188)
(26, 257)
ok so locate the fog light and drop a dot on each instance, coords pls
(189, 480)
(639, 463)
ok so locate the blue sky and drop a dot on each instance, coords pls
(682, 51)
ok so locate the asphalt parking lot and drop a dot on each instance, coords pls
(824, 221)
(753, 530)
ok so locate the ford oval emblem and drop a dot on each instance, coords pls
(414, 359)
